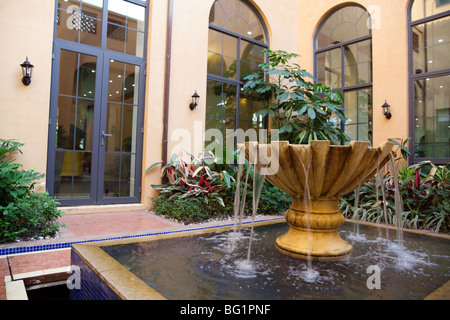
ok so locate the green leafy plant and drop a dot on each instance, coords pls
(14, 182)
(191, 209)
(402, 146)
(33, 215)
(301, 110)
(425, 192)
(23, 212)
(193, 178)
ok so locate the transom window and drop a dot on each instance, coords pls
(343, 60)
(82, 21)
(429, 41)
(236, 41)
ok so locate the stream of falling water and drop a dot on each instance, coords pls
(309, 274)
(258, 181)
(239, 206)
(380, 182)
(397, 197)
(398, 202)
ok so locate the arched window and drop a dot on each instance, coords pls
(237, 37)
(429, 47)
(343, 60)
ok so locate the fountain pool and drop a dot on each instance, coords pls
(212, 264)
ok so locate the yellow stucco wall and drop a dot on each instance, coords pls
(27, 30)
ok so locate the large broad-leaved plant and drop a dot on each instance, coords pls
(301, 110)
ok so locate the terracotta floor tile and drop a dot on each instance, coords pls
(4, 269)
(83, 225)
(2, 292)
(39, 261)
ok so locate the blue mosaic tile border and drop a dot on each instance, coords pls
(91, 286)
(65, 245)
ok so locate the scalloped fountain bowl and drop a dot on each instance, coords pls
(316, 176)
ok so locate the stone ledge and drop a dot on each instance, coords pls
(15, 290)
(102, 208)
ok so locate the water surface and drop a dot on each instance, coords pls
(215, 266)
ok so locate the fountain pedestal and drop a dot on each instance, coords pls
(316, 176)
(313, 233)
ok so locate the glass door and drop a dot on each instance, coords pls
(120, 131)
(97, 131)
(74, 126)
(97, 101)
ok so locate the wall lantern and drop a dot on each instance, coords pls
(387, 110)
(195, 99)
(27, 70)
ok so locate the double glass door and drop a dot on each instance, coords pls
(95, 128)
(96, 111)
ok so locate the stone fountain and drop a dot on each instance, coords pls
(316, 176)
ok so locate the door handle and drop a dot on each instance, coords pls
(104, 135)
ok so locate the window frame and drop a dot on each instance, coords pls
(413, 77)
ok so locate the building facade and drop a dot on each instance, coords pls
(113, 80)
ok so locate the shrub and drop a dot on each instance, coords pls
(33, 215)
(273, 201)
(23, 212)
(14, 183)
(192, 209)
(206, 207)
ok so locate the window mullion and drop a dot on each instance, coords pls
(429, 18)
(238, 77)
(104, 24)
(236, 35)
(345, 43)
(342, 67)
(431, 74)
(224, 80)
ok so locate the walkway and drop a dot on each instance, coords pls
(44, 258)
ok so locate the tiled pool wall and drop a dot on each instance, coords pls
(91, 286)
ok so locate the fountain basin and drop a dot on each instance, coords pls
(198, 265)
(316, 176)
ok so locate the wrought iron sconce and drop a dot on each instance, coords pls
(195, 99)
(387, 110)
(27, 70)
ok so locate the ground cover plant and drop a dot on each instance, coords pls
(24, 213)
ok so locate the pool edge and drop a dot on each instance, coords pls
(128, 286)
(122, 282)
